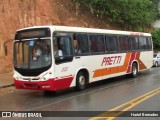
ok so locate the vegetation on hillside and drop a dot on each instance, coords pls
(135, 15)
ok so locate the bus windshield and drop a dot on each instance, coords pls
(32, 54)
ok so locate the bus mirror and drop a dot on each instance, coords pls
(62, 59)
(5, 46)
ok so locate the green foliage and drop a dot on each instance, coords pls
(129, 14)
(156, 39)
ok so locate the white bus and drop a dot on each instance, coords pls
(52, 58)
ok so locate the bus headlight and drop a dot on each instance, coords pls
(45, 77)
(17, 77)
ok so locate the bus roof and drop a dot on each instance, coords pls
(88, 30)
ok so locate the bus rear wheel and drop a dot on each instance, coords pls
(134, 70)
(81, 81)
(156, 64)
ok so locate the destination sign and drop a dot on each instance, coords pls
(32, 33)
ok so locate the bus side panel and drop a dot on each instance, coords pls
(112, 65)
(145, 60)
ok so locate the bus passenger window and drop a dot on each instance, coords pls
(149, 43)
(142, 43)
(81, 44)
(92, 43)
(111, 43)
(96, 43)
(134, 43)
(123, 43)
(57, 48)
(77, 50)
(100, 43)
(63, 49)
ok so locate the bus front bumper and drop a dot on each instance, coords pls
(50, 85)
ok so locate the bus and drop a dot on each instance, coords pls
(52, 58)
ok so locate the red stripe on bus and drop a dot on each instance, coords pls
(133, 55)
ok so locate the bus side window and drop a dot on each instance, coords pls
(149, 43)
(96, 43)
(100, 43)
(143, 43)
(123, 43)
(81, 44)
(111, 43)
(92, 41)
(134, 43)
(57, 49)
(63, 46)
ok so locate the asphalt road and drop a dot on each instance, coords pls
(117, 94)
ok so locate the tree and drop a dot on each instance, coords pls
(156, 39)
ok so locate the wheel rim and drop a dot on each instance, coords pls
(81, 80)
(156, 64)
(134, 71)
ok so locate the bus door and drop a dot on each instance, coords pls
(63, 55)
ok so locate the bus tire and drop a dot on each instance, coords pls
(81, 81)
(156, 64)
(134, 70)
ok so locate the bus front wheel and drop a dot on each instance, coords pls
(80, 81)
